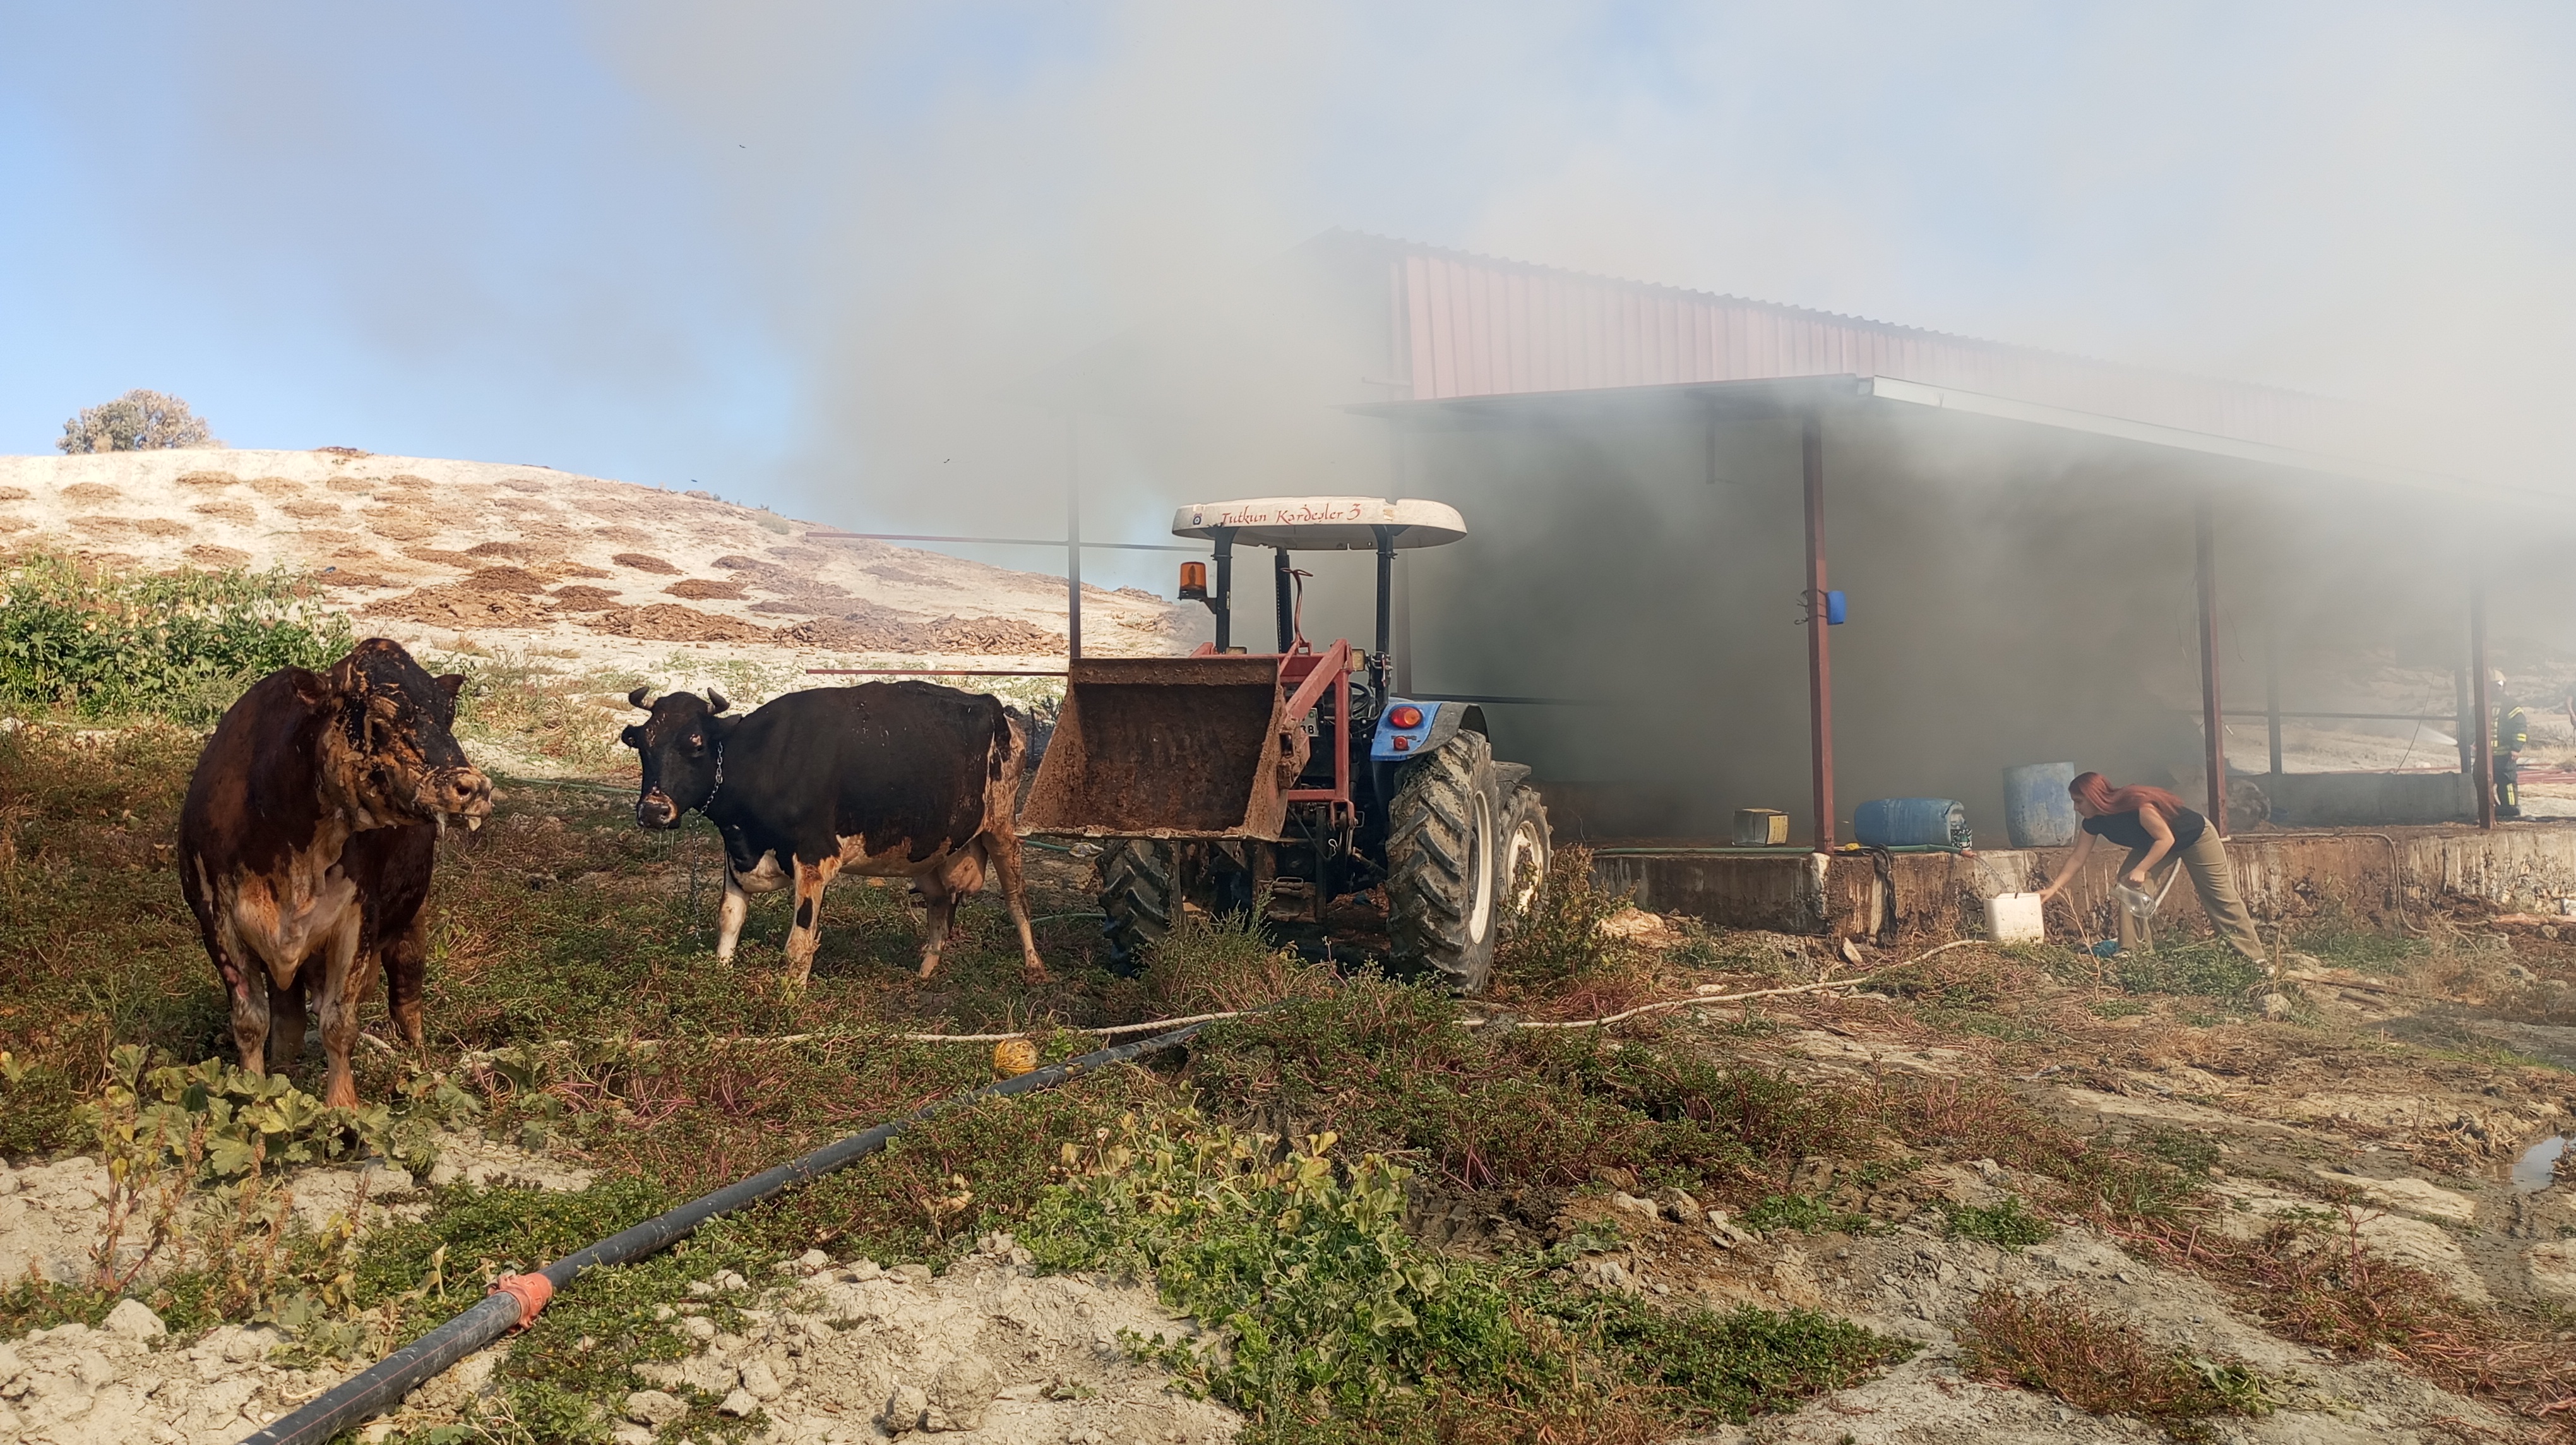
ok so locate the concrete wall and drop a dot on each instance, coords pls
(2378, 876)
(2351, 800)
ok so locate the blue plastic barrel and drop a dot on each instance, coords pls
(1911, 823)
(2037, 812)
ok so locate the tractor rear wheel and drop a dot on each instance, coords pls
(1527, 845)
(1140, 892)
(1443, 839)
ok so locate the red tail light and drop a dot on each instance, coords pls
(1407, 716)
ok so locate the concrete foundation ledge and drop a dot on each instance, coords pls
(2284, 875)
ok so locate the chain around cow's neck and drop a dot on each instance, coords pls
(719, 787)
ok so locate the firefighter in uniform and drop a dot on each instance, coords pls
(2512, 735)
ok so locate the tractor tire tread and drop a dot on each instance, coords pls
(1431, 857)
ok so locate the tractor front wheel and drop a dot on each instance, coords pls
(1443, 850)
(1140, 894)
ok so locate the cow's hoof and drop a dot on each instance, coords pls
(929, 966)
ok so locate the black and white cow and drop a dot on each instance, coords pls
(886, 779)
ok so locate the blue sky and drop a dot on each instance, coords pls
(737, 245)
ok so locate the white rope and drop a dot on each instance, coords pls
(1154, 1025)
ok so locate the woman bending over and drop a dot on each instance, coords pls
(2153, 824)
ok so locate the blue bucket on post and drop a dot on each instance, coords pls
(2037, 812)
(1911, 823)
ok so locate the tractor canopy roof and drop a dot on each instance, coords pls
(1323, 524)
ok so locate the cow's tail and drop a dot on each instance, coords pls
(1010, 744)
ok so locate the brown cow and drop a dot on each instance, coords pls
(308, 835)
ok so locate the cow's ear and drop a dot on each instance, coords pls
(721, 728)
(312, 688)
(633, 737)
(453, 684)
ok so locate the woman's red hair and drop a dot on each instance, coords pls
(2095, 792)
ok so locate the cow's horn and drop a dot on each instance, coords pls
(636, 698)
(716, 701)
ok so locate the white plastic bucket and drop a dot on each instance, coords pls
(2016, 918)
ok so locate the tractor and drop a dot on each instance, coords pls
(1294, 782)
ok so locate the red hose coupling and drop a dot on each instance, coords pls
(530, 1290)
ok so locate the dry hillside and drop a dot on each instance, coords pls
(527, 559)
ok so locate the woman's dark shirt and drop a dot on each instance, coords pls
(2125, 829)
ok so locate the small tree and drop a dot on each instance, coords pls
(137, 421)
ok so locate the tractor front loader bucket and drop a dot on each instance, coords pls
(1169, 747)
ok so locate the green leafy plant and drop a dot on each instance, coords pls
(1557, 935)
(2205, 970)
(1804, 1213)
(181, 645)
(2010, 1224)
(1338, 1322)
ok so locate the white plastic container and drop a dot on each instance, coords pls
(2016, 918)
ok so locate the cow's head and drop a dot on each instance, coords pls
(389, 751)
(682, 747)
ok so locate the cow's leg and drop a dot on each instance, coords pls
(806, 934)
(246, 984)
(286, 1015)
(737, 907)
(960, 876)
(343, 984)
(406, 960)
(1003, 847)
(940, 912)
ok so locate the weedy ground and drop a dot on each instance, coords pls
(1415, 1228)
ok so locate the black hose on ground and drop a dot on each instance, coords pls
(381, 1387)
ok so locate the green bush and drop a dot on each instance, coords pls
(181, 645)
(2010, 1224)
(2205, 970)
(1339, 1324)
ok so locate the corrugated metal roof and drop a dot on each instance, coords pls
(1468, 325)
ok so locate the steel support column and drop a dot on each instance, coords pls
(1073, 538)
(2213, 726)
(1381, 674)
(2272, 692)
(1224, 537)
(2484, 782)
(1280, 584)
(1820, 675)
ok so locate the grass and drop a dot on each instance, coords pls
(2335, 937)
(2053, 1344)
(2200, 970)
(1342, 1326)
(2010, 1224)
(1804, 1213)
(1387, 1064)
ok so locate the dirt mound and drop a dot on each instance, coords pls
(240, 514)
(91, 493)
(586, 599)
(703, 589)
(1004, 636)
(462, 607)
(206, 554)
(504, 579)
(642, 562)
(859, 1353)
(508, 551)
(671, 622)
